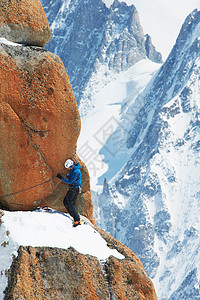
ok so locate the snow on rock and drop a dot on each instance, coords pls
(5, 41)
(41, 228)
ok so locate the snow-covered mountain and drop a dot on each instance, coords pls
(90, 37)
(152, 203)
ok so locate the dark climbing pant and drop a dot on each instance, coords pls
(70, 203)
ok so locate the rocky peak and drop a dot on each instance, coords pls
(111, 39)
(106, 187)
(152, 54)
(24, 22)
(190, 30)
(116, 3)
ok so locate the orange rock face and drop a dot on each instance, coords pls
(51, 273)
(24, 22)
(39, 124)
(39, 128)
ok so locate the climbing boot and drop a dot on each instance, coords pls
(76, 223)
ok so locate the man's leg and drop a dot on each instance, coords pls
(70, 204)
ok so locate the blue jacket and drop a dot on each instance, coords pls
(74, 177)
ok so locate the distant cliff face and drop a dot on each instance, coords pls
(51, 273)
(39, 117)
(89, 37)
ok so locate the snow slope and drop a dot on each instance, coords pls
(51, 228)
(103, 113)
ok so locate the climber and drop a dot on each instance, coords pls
(74, 181)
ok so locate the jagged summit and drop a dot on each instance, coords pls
(152, 54)
(88, 37)
(190, 31)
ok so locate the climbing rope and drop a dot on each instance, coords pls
(74, 154)
(21, 204)
(26, 189)
(32, 187)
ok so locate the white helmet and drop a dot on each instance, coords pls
(69, 163)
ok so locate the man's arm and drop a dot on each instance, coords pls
(69, 180)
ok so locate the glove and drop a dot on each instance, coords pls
(59, 176)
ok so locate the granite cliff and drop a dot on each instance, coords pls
(40, 122)
(24, 22)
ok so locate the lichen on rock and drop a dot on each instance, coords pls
(24, 22)
(39, 124)
(39, 128)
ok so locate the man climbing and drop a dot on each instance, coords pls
(74, 181)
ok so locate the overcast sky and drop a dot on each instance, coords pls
(162, 19)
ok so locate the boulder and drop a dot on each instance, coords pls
(39, 128)
(24, 21)
(52, 273)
